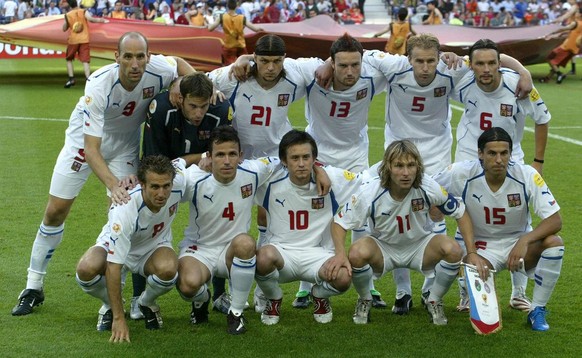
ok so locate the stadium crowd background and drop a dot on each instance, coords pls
(483, 13)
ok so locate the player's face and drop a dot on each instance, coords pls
(424, 63)
(402, 173)
(347, 68)
(132, 58)
(495, 157)
(194, 109)
(268, 69)
(485, 65)
(225, 157)
(299, 162)
(156, 190)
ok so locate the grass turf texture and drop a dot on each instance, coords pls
(35, 109)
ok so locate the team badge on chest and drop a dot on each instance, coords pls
(363, 93)
(283, 100)
(513, 200)
(317, 203)
(440, 91)
(246, 190)
(417, 204)
(148, 92)
(506, 110)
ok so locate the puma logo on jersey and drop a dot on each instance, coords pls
(247, 97)
(478, 197)
(112, 240)
(209, 197)
(403, 88)
(473, 103)
(115, 104)
(281, 202)
(323, 92)
(547, 192)
(386, 214)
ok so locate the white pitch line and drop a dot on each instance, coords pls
(531, 130)
(34, 119)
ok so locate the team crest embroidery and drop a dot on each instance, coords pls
(513, 200)
(440, 91)
(363, 93)
(76, 166)
(317, 203)
(203, 134)
(283, 100)
(417, 204)
(148, 92)
(116, 228)
(506, 110)
(173, 208)
(246, 190)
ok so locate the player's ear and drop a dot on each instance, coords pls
(116, 57)
(148, 57)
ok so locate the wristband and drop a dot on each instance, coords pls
(472, 252)
(541, 161)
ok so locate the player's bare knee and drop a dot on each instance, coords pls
(343, 281)
(454, 252)
(244, 246)
(266, 258)
(552, 241)
(358, 255)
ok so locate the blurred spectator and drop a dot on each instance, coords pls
(52, 9)
(483, 6)
(355, 14)
(118, 12)
(272, 12)
(23, 7)
(323, 6)
(311, 9)
(286, 12)
(519, 11)
(195, 15)
(399, 31)
(152, 12)
(9, 10)
(435, 17)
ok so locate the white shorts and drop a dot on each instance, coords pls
(137, 257)
(410, 258)
(302, 264)
(496, 251)
(213, 257)
(355, 159)
(120, 151)
(435, 152)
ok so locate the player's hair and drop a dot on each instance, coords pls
(223, 134)
(134, 35)
(494, 134)
(346, 43)
(433, 3)
(295, 137)
(424, 42)
(483, 44)
(397, 150)
(197, 85)
(269, 45)
(402, 13)
(231, 4)
(72, 3)
(159, 164)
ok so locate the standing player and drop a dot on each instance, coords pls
(489, 102)
(298, 235)
(417, 109)
(498, 194)
(397, 205)
(261, 104)
(138, 236)
(103, 137)
(182, 132)
(217, 242)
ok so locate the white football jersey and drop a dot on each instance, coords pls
(499, 108)
(219, 212)
(421, 114)
(506, 212)
(297, 216)
(260, 115)
(110, 112)
(401, 223)
(134, 230)
(339, 119)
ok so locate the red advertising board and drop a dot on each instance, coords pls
(10, 51)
